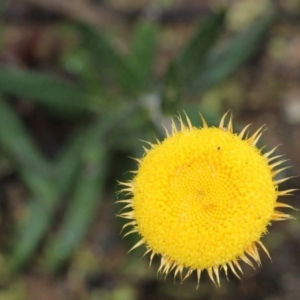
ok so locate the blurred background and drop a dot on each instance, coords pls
(81, 83)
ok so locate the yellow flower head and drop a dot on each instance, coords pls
(203, 198)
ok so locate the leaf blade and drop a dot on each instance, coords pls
(84, 204)
(142, 52)
(220, 64)
(111, 65)
(32, 229)
(190, 59)
(47, 90)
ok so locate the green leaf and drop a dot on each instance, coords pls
(142, 52)
(60, 95)
(191, 58)
(38, 176)
(109, 63)
(22, 150)
(31, 230)
(29, 234)
(83, 161)
(224, 60)
(83, 206)
(67, 164)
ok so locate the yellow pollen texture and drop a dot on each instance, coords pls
(202, 197)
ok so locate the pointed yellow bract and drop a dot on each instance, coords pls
(203, 198)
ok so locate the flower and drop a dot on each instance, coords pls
(203, 198)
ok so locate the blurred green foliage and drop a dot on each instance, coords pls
(115, 99)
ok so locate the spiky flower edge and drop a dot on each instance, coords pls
(167, 264)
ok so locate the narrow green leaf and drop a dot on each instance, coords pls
(191, 58)
(15, 139)
(21, 148)
(29, 233)
(84, 204)
(33, 228)
(57, 94)
(224, 60)
(80, 161)
(110, 64)
(142, 52)
(67, 164)
(36, 173)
